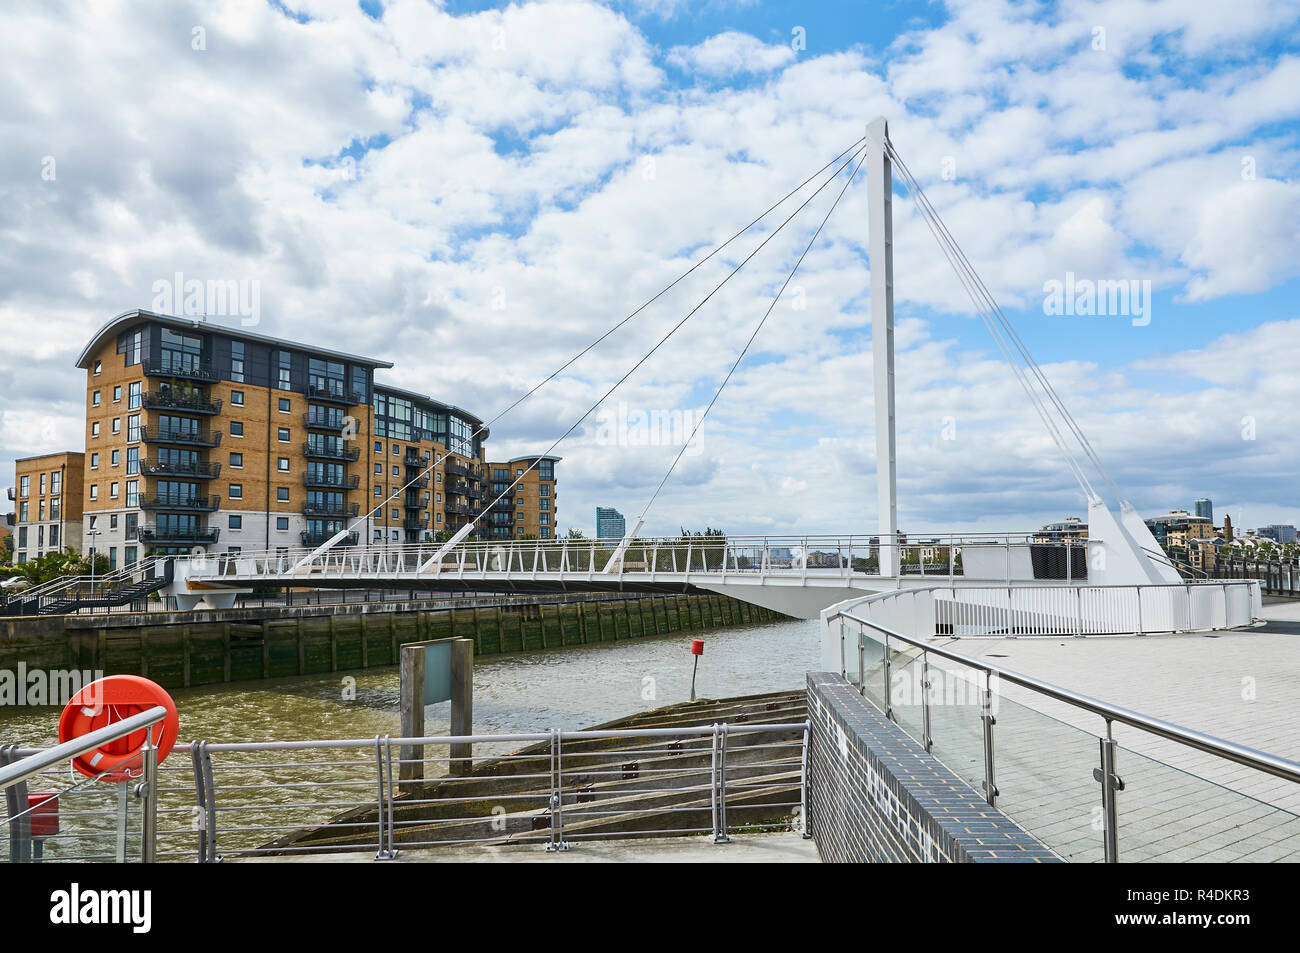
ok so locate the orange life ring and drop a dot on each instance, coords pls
(109, 700)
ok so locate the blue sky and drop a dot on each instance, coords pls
(475, 191)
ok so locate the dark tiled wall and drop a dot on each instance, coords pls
(875, 795)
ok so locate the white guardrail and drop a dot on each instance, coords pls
(973, 610)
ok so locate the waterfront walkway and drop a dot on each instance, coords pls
(1238, 685)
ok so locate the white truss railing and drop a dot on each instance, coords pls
(803, 556)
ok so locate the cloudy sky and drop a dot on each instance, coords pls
(476, 191)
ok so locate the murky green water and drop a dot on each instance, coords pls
(568, 688)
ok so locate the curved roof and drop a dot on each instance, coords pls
(126, 318)
(440, 404)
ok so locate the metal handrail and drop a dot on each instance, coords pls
(1231, 751)
(34, 764)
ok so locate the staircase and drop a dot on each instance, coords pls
(130, 585)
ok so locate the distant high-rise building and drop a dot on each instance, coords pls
(1205, 508)
(1227, 527)
(1279, 532)
(609, 523)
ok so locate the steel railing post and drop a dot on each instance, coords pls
(556, 842)
(713, 782)
(926, 735)
(884, 669)
(720, 837)
(210, 822)
(804, 830)
(986, 716)
(1111, 785)
(147, 791)
(862, 661)
(384, 852)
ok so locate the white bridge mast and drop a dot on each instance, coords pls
(880, 187)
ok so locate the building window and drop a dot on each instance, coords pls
(236, 491)
(379, 491)
(117, 425)
(94, 429)
(133, 428)
(112, 521)
(237, 361)
(94, 465)
(285, 364)
(282, 434)
(129, 555)
(117, 394)
(235, 522)
(282, 464)
(132, 461)
(237, 461)
(379, 469)
(396, 472)
(284, 405)
(99, 366)
(94, 399)
(24, 485)
(117, 457)
(134, 395)
(236, 428)
(282, 523)
(132, 494)
(112, 490)
(379, 446)
(237, 398)
(94, 495)
(282, 494)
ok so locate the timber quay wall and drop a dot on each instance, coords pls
(210, 646)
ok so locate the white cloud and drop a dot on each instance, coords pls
(727, 54)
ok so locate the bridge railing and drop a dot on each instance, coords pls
(974, 609)
(1088, 795)
(809, 556)
(552, 789)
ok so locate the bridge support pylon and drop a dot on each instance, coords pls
(880, 215)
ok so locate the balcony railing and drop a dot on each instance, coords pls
(413, 524)
(339, 511)
(457, 509)
(417, 459)
(329, 452)
(413, 502)
(457, 469)
(323, 421)
(185, 403)
(316, 539)
(420, 482)
(191, 438)
(335, 395)
(188, 537)
(198, 470)
(181, 370)
(332, 482)
(181, 503)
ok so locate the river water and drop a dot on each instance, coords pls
(567, 688)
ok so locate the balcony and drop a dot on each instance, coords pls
(181, 370)
(413, 502)
(189, 438)
(419, 483)
(10, 493)
(324, 421)
(503, 506)
(414, 525)
(184, 537)
(196, 470)
(316, 539)
(182, 504)
(192, 403)
(457, 469)
(334, 394)
(330, 510)
(327, 452)
(331, 482)
(457, 509)
(417, 459)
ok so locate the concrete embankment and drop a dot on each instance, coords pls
(183, 649)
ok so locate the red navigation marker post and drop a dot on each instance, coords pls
(697, 649)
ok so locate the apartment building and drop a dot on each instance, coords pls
(531, 510)
(202, 437)
(410, 431)
(47, 497)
